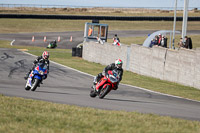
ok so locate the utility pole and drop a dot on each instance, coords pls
(185, 18)
(174, 27)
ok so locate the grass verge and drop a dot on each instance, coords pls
(52, 25)
(33, 116)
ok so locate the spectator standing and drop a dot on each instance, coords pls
(186, 41)
(190, 43)
(152, 43)
(156, 40)
(90, 31)
(116, 40)
(180, 43)
(159, 39)
(164, 41)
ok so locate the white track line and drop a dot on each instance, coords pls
(121, 83)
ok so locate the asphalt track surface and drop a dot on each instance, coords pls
(77, 37)
(68, 86)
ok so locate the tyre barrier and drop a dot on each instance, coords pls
(77, 51)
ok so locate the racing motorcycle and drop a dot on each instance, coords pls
(36, 76)
(52, 44)
(105, 84)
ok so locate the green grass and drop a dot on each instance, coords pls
(33, 116)
(48, 25)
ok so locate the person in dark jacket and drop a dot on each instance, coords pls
(190, 43)
(114, 66)
(40, 59)
(116, 38)
(186, 42)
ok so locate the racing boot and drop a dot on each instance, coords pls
(26, 76)
(94, 83)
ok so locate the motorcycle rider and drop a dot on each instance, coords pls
(114, 66)
(40, 59)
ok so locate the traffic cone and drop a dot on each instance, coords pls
(33, 38)
(45, 38)
(59, 39)
(71, 39)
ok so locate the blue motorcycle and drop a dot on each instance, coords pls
(36, 76)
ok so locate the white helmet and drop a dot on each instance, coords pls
(45, 55)
(118, 63)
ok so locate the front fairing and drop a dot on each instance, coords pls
(101, 83)
(39, 71)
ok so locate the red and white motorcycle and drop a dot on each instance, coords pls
(105, 84)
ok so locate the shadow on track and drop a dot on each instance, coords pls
(55, 92)
(126, 100)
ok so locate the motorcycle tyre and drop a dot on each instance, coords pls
(105, 92)
(35, 84)
(93, 93)
(27, 88)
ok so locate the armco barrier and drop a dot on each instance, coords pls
(182, 66)
(119, 18)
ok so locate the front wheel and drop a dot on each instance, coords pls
(104, 92)
(35, 84)
(27, 87)
(93, 93)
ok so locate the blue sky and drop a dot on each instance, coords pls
(106, 3)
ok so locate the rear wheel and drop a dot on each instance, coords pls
(104, 92)
(35, 84)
